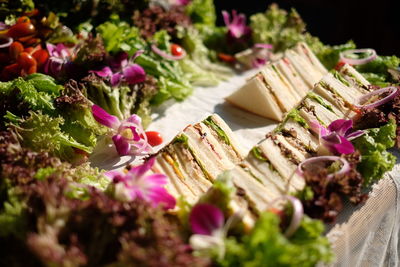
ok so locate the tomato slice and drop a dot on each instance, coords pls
(339, 65)
(154, 138)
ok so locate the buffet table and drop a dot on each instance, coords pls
(365, 235)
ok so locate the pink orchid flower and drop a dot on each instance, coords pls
(122, 69)
(207, 224)
(135, 184)
(179, 2)
(336, 138)
(128, 135)
(237, 27)
(60, 58)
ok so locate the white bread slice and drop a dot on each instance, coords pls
(266, 173)
(323, 114)
(303, 66)
(288, 70)
(255, 97)
(284, 93)
(348, 93)
(282, 164)
(208, 150)
(333, 98)
(257, 195)
(234, 150)
(302, 134)
(355, 78)
(303, 50)
(164, 164)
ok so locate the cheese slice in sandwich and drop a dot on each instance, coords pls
(284, 93)
(303, 50)
(284, 158)
(229, 143)
(255, 97)
(355, 78)
(290, 73)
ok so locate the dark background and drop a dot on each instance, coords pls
(370, 24)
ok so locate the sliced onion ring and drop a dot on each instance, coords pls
(298, 213)
(394, 92)
(163, 54)
(361, 61)
(262, 45)
(345, 165)
(8, 41)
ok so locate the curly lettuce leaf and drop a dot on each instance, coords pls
(373, 145)
(329, 55)
(376, 71)
(41, 132)
(202, 12)
(267, 246)
(278, 27)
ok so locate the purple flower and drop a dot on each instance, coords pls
(128, 136)
(122, 69)
(336, 138)
(237, 28)
(207, 224)
(60, 58)
(206, 219)
(179, 2)
(136, 185)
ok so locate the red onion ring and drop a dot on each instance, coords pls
(298, 213)
(351, 61)
(345, 165)
(261, 45)
(379, 102)
(8, 40)
(166, 55)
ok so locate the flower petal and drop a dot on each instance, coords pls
(134, 119)
(157, 179)
(119, 61)
(317, 128)
(134, 74)
(205, 219)
(113, 174)
(115, 79)
(340, 126)
(102, 117)
(345, 146)
(122, 145)
(226, 17)
(354, 134)
(104, 72)
(140, 170)
(159, 195)
(331, 139)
